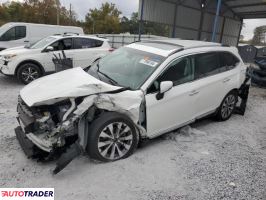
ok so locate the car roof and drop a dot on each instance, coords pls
(167, 47)
(78, 36)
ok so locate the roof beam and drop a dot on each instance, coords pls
(248, 5)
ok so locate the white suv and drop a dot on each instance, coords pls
(32, 62)
(139, 91)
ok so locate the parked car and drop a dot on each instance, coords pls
(16, 34)
(138, 92)
(32, 62)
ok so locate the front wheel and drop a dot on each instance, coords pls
(227, 107)
(112, 137)
(28, 72)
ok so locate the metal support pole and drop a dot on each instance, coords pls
(141, 19)
(219, 2)
(174, 24)
(58, 12)
(239, 33)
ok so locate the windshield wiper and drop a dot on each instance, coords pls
(109, 78)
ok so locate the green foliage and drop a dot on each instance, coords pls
(132, 26)
(103, 20)
(35, 11)
(106, 19)
(259, 37)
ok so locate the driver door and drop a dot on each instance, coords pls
(65, 45)
(176, 108)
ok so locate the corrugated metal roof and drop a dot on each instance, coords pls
(247, 9)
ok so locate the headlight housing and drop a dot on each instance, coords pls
(9, 57)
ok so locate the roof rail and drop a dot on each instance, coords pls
(160, 42)
(185, 48)
(70, 33)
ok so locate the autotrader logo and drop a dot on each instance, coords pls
(26, 193)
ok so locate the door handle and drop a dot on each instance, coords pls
(26, 41)
(194, 92)
(226, 80)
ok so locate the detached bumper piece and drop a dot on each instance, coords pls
(243, 94)
(27, 146)
(72, 152)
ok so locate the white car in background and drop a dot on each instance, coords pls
(32, 62)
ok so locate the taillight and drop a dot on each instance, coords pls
(111, 49)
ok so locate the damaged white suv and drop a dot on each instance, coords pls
(139, 91)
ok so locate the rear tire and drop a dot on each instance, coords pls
(112, 137)
(28, 72)
(227, 106)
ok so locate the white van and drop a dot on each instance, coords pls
(20, 34)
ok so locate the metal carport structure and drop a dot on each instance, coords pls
(210, 20)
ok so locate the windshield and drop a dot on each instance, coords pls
(42, 43)
(126, 67)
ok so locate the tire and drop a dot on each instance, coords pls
(106, 147)
(227, 106)
(28, 72)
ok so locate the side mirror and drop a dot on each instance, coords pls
(49, 48)
(164, 87)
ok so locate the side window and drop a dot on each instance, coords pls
(228, 60)
(64, 44)
(84, 43)
(180, 71)
(20, 32)
(206, 64)
(14, 33)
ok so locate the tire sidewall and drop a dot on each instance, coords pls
(96, 128)
(23, 67)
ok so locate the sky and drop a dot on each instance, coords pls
(128, 6)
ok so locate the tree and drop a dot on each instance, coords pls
(103, 20)
(132, 26)
(35, 11)
(259, 37)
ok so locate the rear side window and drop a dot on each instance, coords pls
(228, 60)
(206, 64)
(84, 43)
(14, 33)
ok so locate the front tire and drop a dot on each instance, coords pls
(28, 72)
(112, 137)
(227, 106)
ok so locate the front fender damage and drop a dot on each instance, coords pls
(126, 102)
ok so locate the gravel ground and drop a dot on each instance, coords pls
(209, 160)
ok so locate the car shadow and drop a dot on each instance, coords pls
(9, 81)
(197, 124)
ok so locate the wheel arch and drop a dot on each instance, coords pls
(30, 61)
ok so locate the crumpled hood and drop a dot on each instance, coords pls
(63, 85)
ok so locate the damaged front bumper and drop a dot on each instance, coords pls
(243, 94)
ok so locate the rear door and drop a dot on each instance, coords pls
(213, 79)
(87, 51)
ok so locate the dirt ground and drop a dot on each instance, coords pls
(209, 160)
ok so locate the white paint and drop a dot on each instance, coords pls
(63, 85)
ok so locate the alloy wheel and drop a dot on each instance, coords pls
(115, 140)
(29, 74)
(228, 106)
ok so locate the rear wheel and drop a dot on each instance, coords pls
(28, 72)
(227, 107)
(112, 137)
